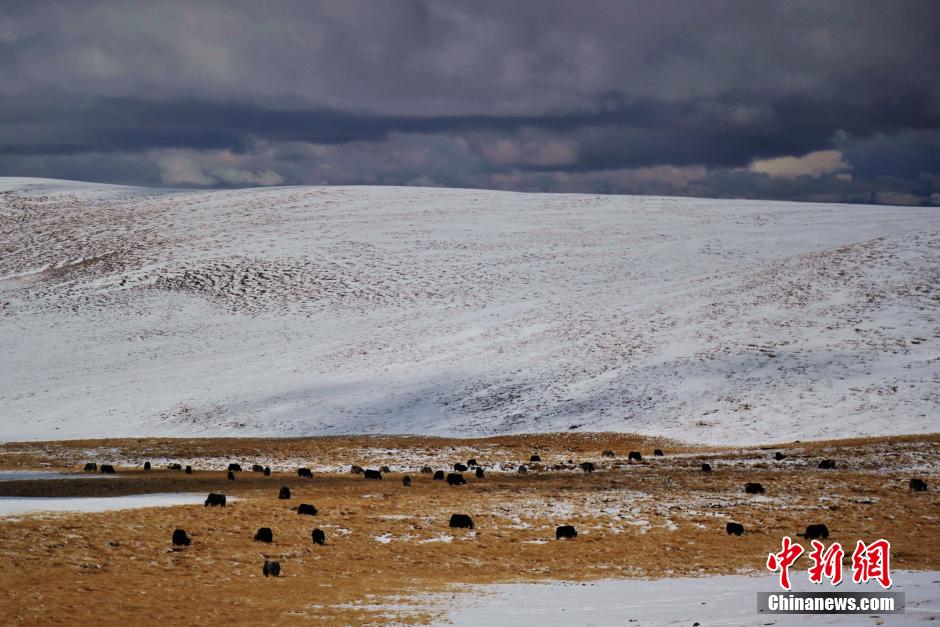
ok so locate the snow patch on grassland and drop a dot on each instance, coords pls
(727, 600)
(19, 505)
(305, 310)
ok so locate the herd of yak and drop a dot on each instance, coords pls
(457, 521)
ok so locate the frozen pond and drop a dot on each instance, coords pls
(15, 505)
(27, 475)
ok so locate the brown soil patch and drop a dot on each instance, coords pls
(385, 542)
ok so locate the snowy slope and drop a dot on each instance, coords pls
(315, 310)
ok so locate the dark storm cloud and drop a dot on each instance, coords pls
(527, 95)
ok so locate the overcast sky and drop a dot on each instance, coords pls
(798, 100)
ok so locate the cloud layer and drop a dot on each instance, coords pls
(813, 100)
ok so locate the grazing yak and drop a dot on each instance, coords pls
(753, 488)
(284, 493)
(460, 521)
(146, 465)
(372, 474)
(814, 532)
(455, 478)
(565, 532)
(918, 485)
(319, 537)
(180, 538)
(779, 456)
(175, 466)
(535, 458)
(706, 467)
(634, 456)
(439, 475)
(215, 499)
(272, 569)
(587, 466)
(658, 452)
(385, 469)
(608, 453)
(522, 470)
(306, 508)
(264, 534)
(406, 481)
(305, 473)
(356, 470)
(257, 468)
(234, 467)
(91, 467)
(472, 462)
(734, 528)
(458, 467)
(231, 475)
(479, 472)
(827, 464)
(267, 471)
(426, 470)
(189, 470)
(107, 469)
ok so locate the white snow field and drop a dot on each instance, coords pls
(326, 310)
(728, 600)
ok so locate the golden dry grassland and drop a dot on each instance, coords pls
(388, 544)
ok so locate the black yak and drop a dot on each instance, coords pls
(816, 531)
(918, 485)
(566, 532)
(264, 534)
(180, 538)
(215, 499)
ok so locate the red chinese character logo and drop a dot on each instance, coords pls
(828, 563)
(872, 562)
(783, 560)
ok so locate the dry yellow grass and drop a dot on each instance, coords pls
(657, 518)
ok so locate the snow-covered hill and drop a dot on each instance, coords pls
(318, 310)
